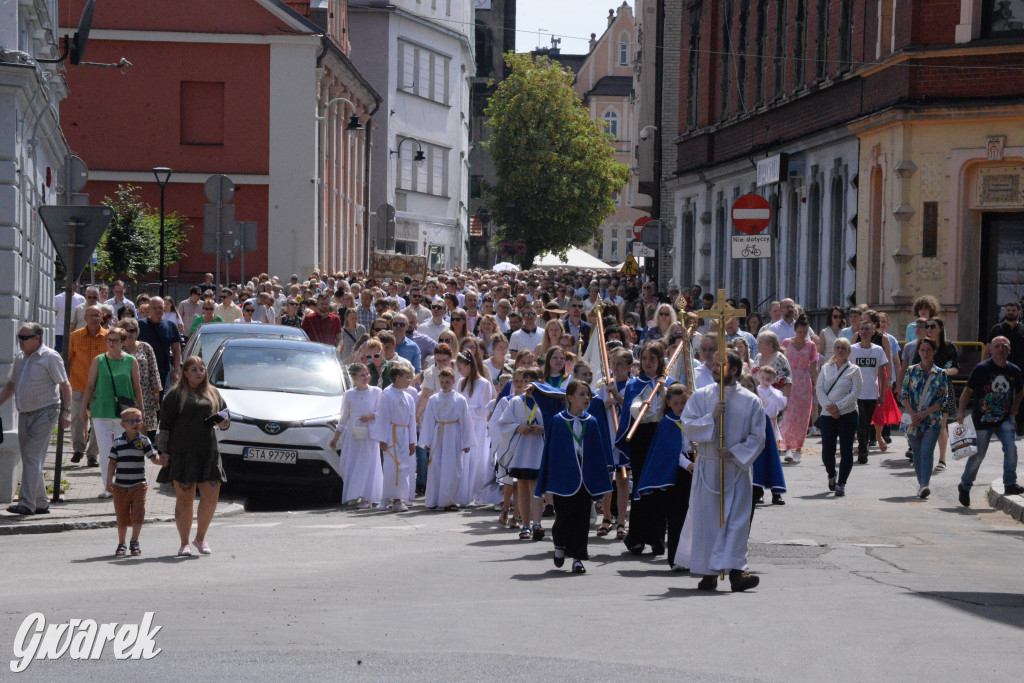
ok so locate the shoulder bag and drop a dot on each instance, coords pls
(121, 403)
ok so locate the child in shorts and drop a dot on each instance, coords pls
(126, 478)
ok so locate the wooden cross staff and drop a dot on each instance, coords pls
(718, 313)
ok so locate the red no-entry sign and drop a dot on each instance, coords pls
(751, 214)
(638, 226)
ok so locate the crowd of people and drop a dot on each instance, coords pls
(546, 394)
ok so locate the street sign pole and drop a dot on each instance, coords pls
(74, 231)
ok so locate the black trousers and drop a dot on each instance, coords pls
(646, 521)
(672, 505)
(841, 429)
(572, 523)
(865, 411)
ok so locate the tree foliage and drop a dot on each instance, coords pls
(554, 163)
(130, 247)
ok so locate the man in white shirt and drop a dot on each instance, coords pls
(591, 299)
(527, 337)
(58, 306)
(504, 307)
(784, 328)
(436, 325)
(118, 301)
(702, 374)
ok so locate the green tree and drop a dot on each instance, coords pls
(554, 163)
(130, 248)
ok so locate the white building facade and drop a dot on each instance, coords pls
(813, 226)
(32, 149)
(419, 57)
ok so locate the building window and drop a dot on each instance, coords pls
(692, 66)
(613, 254)
(202, 113)
(800, 44)
(611, 124)
(721, 237)
(845, 34)
(741, 57)
(821, 58)
(793, 264)
(429, 176)
(930, 230)
(423, 72)
(726, 76)
(780, 48)
(1002, 18)
(837, 241)
(760, 63)
(814, 247)
(624, 54)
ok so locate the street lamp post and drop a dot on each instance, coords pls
(163, 176)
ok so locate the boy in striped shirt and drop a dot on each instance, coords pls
(126, 478)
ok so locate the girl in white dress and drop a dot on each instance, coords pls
(522, 427)
(446, 433)
(360, 455)
(478, 393)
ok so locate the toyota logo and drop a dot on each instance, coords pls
(272, 428)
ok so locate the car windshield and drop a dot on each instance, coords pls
(208, 343)
(295, 371)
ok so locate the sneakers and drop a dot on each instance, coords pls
(795, 457)
(813, 431)
(923, 492)
(832, 483)
(740, 581)
(365, 505)
(840, 490)
(399, 506)
(789, 456)
(1009, 489)
(965, 495)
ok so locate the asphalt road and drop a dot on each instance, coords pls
(876, 586)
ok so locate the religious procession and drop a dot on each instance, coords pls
(586, 404)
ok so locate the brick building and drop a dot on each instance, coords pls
(242, 87)
(878, 126)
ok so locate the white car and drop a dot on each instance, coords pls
(284, 397)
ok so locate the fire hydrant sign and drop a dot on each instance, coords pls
(751, 246)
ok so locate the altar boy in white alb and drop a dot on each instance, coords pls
(707, 547)
(395, 428)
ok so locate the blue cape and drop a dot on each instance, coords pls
(635, 387)
(662, 463)
(560, 472)
(767, 469)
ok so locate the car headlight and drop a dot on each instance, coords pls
(328, 421)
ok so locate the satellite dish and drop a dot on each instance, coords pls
(77, 51)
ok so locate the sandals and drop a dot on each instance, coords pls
(121, 551)
(599, 507)
(515, 523)
(503, 517)
(524, 535)
(620, 532)
(606, 526)
(538, 532)
(941, 467)
(136, 548)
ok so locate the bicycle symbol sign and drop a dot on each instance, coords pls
(751, 246)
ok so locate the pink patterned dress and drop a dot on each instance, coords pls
(801, 397)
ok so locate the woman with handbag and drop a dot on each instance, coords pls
(923, 395)
(113, 386)
(838, 387)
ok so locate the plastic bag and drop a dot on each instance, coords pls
(963, 440)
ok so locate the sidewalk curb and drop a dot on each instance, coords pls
(1011, 505)
(229, 510)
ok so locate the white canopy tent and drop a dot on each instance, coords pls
(575, 258)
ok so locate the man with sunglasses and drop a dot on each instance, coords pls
(404, 346)
(40, 386)
(437, 323)
(92, 298)
(416, 308)
(228, 310)
(575, 324)
(529, 336)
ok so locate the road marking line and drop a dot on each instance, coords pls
(264, 525)
(325, 526)
(796, 541)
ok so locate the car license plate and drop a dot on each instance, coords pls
(269, 455)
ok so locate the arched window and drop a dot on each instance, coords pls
(687, 249)
(837, 242)
(792, 247)
(611, 124)
(812, 300)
